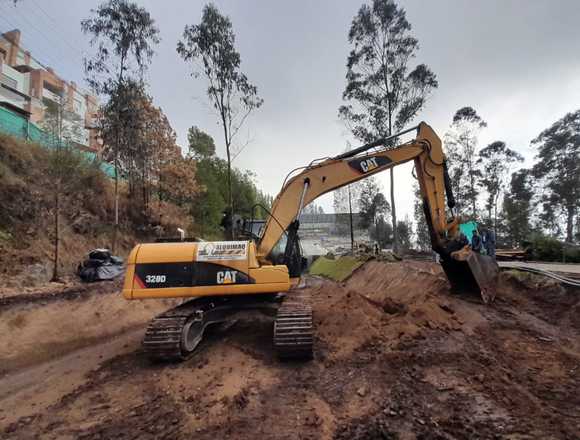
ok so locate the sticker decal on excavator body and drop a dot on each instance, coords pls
(369, 163)
(222, 250)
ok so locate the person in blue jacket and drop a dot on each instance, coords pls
(476, 241)
(489, 242)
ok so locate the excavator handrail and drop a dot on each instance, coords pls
(373, 144)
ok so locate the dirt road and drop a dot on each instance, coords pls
(569, 269)
(397, 357)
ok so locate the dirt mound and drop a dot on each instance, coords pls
(393, 303)
(347, 320)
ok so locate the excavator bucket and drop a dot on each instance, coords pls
(471, 272)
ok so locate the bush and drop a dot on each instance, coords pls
(540, 247)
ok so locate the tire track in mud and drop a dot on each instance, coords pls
(37, 387)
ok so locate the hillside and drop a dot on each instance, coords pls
(27, 194)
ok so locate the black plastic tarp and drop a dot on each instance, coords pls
(100, 265)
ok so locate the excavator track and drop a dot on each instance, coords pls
(293, 330)
(175, 334)
(166, 337)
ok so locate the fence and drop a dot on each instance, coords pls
(17, 126)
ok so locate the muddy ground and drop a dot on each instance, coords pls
(397, 357)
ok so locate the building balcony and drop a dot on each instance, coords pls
(51, 95)
(14, 100)
(12, 78)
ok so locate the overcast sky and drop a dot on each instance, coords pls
(516, 62)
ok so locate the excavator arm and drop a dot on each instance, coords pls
(465, 269)
(333, 173)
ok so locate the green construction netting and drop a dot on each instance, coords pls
(468, 228)
(17, 126)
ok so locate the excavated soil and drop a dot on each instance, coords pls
(397, 357)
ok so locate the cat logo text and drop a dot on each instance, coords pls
(226, 277)
(369, 164)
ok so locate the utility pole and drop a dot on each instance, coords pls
(350, 219)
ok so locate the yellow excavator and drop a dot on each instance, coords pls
(229, 278)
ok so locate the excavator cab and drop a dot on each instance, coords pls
(252, 229)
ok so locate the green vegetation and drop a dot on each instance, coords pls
(337, 270)
(211, 202)
(540, 247)
(5, 235)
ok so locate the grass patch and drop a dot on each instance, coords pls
(337, 270)
(5, 235)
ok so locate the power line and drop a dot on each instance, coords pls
(46, 67)
(50, 59)
(67, 42)
(57, 33)
(40, 32)
(16, 26)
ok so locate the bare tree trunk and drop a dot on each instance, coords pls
(116, 226)
(117, 137)
(569, 223)
(57, 195)
(55, 276)
(495, 202)
(350, 218)
(392, 176)
(230, 198)
(144, 188)
(394, 214)
(473, 202)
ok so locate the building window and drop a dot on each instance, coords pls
(20, 59)
(78, 107)
(10, 82)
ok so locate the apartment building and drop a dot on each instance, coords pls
(27, 88)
